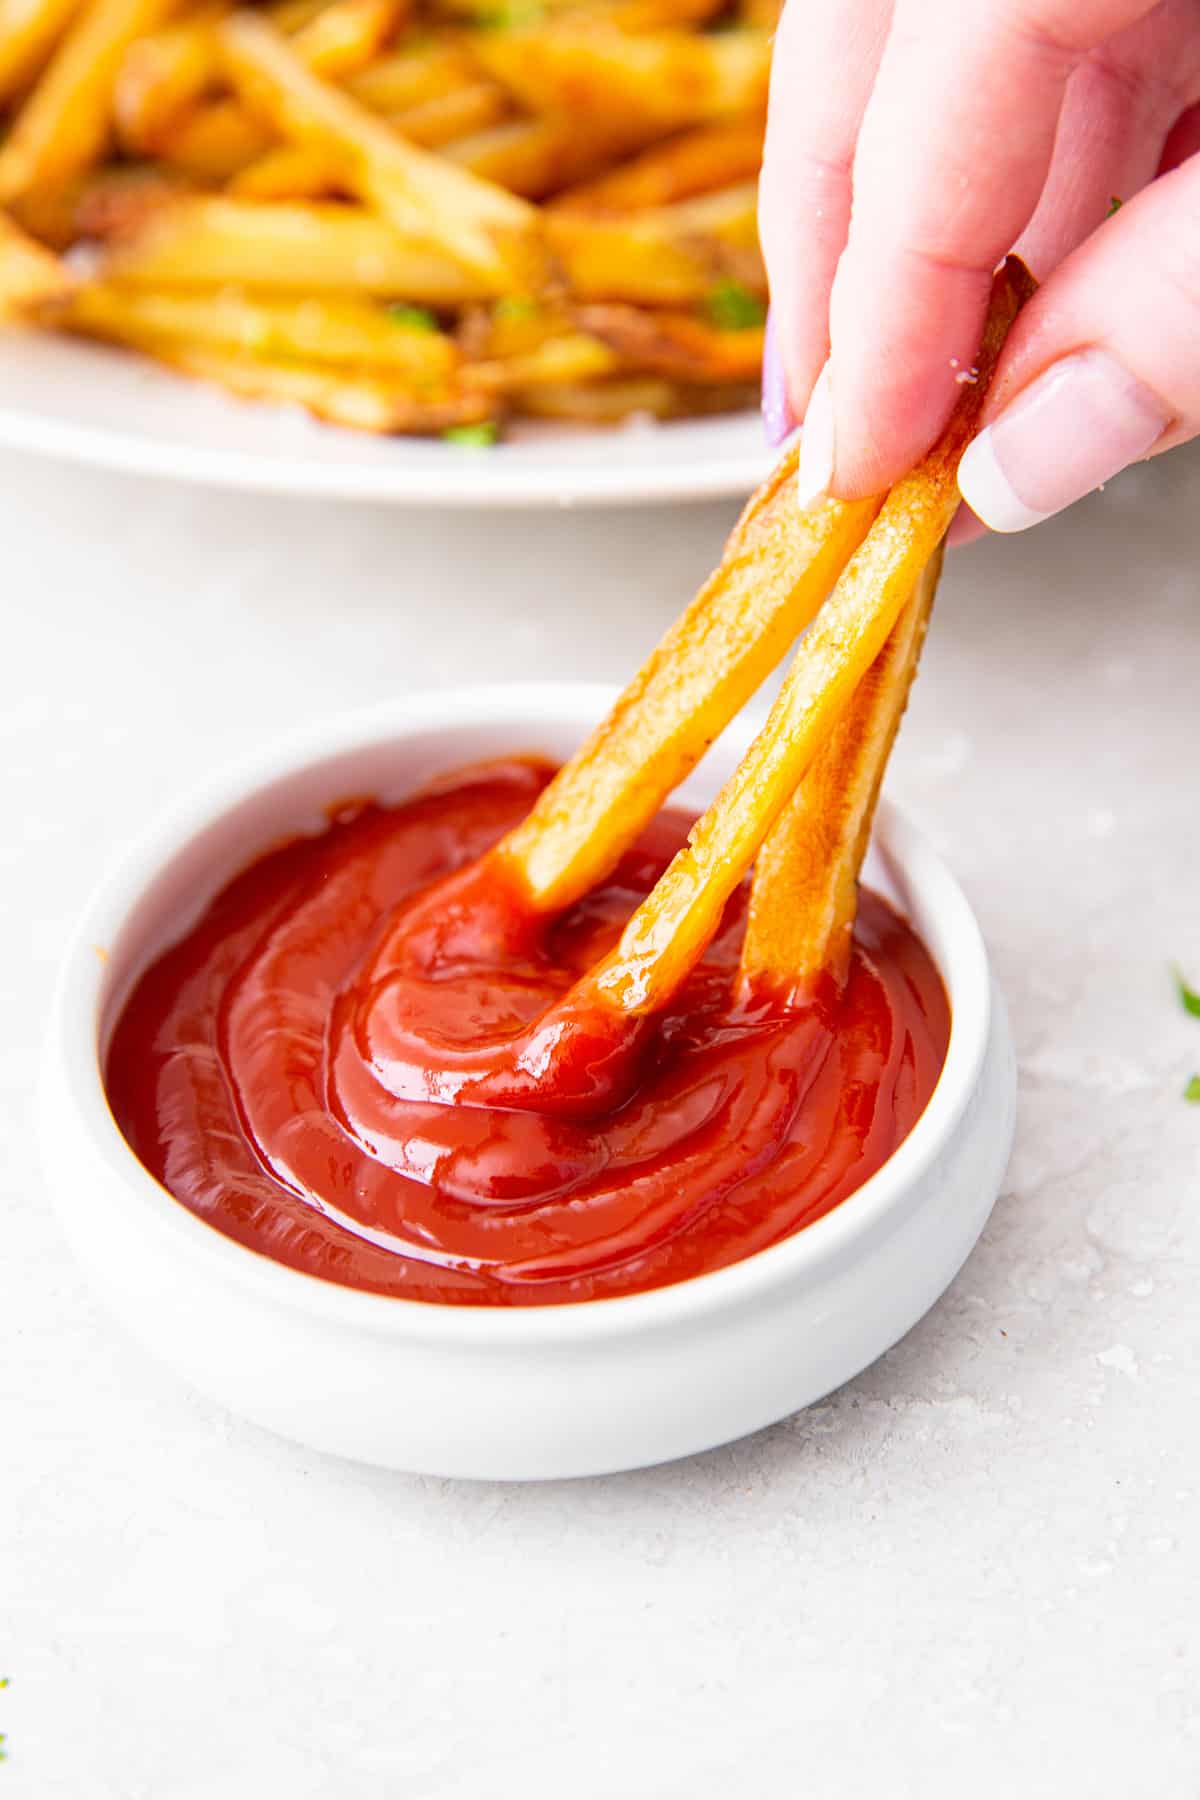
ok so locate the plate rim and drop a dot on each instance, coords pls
(727, 474)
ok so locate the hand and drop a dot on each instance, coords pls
(966, 128)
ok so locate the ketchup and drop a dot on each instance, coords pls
(341, 1066)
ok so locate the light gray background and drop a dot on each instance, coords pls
(973, 1571)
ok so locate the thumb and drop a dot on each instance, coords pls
(1103, 366)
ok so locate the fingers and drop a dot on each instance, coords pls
(1103, 366)
(825, 58)
(954, 150)
(1118, 106)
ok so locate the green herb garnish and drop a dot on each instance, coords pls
(731, 307)
(1114, 205)
(1189, 999)
(477, 437)
(1192, 1090)
(413, 318)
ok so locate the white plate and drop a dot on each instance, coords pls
(91, 404)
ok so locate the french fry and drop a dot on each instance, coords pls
(535, 157)
(344, 37)
(363, 401)
(290, 16)
(473, 106)
(568, 360)
(29, 274)
(660, 81)
(671, 928)
(215, 141)
(804, 895)
(289, 172)
(613, 402)
(407, 78)
(29, 30)
(696, 162)
(64, 125)
(334, 330)
(202, 242)
(160, 76)
(488, 230)
(677, 345)
(776, 570)
(668, 256)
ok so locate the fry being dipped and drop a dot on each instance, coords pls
(530, 1037)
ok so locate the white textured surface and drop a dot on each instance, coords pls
(973, 1571)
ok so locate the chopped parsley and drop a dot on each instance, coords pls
(413, 318)
(731, 307)
(1189, 999)
(477, 437)
(1192, 1090)
(1114, 206)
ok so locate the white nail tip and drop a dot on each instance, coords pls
(814, 472)
(988, 491)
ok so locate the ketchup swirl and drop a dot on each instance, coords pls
(367, 1061)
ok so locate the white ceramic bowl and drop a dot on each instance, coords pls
(486, 1392)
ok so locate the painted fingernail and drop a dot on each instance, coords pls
(778, 421)
(815, 471)
(1079, 423)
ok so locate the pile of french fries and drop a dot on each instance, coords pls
(423, 216)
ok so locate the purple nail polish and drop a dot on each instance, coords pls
(778, 419)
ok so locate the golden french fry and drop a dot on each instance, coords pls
(29, 274)
(777, 568)
(535, 157)
(345, 36)
(613, 402)
(804, 895)
(62, 128)
(364, 401)
(213, 142)
(696, 162)
(407, 78)
(628, 15)
(488, 230)
(293, 15)
(677, 345)
(473, 106)
(160, 76)
(333, 330)
(196, 241)
(29, 30)
(668, 256)
(671, 928)
(663, 80)
(290, 172)
(570, 359)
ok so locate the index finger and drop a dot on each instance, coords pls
(954, 149)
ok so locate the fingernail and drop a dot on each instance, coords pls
(815, 471)
(778, 420)
(1079, 423)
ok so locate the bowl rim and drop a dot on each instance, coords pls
(72, 1074)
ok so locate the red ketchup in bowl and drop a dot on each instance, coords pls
(339, 1065)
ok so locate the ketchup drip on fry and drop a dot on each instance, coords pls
(368, 1061)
